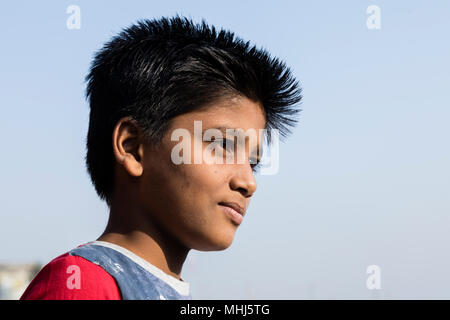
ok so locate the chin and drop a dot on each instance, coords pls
(216, 241)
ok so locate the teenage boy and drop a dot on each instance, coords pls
(156, 78)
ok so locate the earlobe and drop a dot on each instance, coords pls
(132, 166)
(126, 146)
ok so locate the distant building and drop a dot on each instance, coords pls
(14, 279)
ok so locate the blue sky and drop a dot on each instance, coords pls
(364, 179)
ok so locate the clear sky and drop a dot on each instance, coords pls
(364, 179)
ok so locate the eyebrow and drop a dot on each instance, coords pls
(224, 128)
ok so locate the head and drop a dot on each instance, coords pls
(159, 76)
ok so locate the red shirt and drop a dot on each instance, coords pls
(72, 278)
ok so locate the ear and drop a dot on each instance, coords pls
(127, 146)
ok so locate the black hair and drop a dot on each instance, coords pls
(158, 69)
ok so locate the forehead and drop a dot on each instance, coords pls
(236, 112)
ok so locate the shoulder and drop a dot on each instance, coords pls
(70, 277)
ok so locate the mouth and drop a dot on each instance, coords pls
(234, 211)
(233, 205)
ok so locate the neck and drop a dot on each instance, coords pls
(146, 241)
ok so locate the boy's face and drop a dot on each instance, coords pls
(184, 199)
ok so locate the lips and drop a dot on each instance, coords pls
(234, 211)
(235, 206)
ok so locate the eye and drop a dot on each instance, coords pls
(225, 144)
(255, 166)
(228, 145)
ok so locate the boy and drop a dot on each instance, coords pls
(155, 80)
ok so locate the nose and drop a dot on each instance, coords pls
(243, 180)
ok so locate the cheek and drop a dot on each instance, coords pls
(186, 193)
(184, 186)
(199, 190)
(201, 180)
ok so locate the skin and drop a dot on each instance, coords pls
(160, 210)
